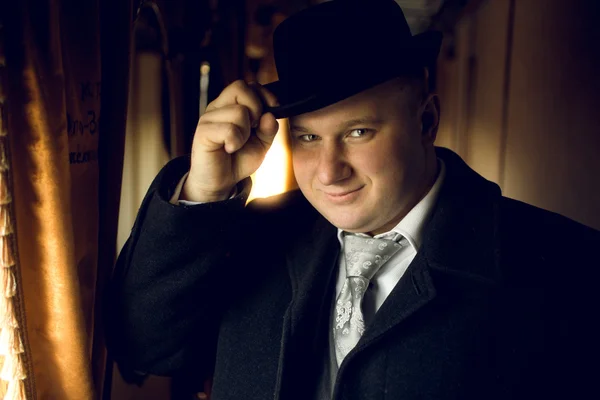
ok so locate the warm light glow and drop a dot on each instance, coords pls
(272, 176)
(204, 78)
(205, 68)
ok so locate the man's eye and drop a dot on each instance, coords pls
(308, 138)
(358, 132)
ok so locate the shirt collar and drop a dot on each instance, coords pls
(413, 224)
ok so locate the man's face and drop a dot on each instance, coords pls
(364, 162)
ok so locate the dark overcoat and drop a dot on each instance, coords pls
(500, 302)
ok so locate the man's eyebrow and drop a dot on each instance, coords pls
(342, 126)
(359, 121)
(299, 129)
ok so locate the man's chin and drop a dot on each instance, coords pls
(348, 217)
(349, 224)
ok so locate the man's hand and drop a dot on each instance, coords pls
(230, 143)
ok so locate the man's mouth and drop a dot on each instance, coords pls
(343, 196)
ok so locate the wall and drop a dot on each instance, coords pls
(519, 101)
(553, 145)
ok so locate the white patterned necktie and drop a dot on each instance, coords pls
(364, 256)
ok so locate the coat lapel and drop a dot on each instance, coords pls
(312, 262)
(414, 290)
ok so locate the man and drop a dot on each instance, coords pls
(396, 272)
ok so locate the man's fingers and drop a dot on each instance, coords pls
(234, 114)
(230, 117)
(239, 93)
(267, 129)
(222, 135)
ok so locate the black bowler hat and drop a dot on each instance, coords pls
(336, 49)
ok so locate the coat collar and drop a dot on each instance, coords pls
(462, 236)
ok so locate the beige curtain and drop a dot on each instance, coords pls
(145, 155)
(145, 150)
(53, 89)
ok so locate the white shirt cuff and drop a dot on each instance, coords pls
(175, 198)
(177, 193)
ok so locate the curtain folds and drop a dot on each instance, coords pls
(13, 358)
(59, 55)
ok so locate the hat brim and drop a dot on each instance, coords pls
(424, 49)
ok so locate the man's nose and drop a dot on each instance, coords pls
(333, 167)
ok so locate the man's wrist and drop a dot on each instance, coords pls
(175, 197)
(191, 194)
(178, 198)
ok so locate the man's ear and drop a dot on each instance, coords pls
(430, 117)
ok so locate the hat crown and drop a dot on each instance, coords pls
(339, 48)
(338, 36)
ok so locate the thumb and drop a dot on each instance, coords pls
(267, 129)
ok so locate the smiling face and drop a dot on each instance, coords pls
(364, 162)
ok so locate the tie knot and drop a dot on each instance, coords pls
(365, 255)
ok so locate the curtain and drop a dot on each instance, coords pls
(13, 383)
(151, 140)
(63, 154)
(145, 149)
(116, 21)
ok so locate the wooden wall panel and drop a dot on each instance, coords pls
(553, 142)
(483, 143)
(452, 86)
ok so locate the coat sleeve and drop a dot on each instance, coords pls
(170, 284)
